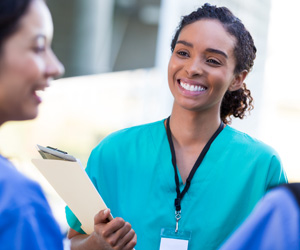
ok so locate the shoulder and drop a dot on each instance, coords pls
(277, 213)
(17, 190)
(252, 145)
(293, 189)
(25, 212)
(258, 154)
(282, 201)
(126, 147)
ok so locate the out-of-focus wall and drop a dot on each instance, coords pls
(92, 37)
(281, 103)
(82, 35)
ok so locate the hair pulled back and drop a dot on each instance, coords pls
(234, 103)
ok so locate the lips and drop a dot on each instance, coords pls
(193, 87)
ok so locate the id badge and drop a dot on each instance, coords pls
(171, 240)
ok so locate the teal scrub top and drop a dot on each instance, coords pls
(133, 172)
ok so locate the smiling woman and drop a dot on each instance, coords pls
(27, 64)
(186, 182)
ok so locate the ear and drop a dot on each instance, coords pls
(238, 80)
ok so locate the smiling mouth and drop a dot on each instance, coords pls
(38, 92)
(191, 87)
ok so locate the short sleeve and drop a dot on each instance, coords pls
(72, 220)
(276, 174)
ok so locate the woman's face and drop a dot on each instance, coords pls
(201, 68)
(27, 64)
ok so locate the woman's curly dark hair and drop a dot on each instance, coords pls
(234, 103)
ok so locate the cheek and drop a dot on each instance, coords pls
(25, 63)
(30, 69)
(172, 69)
(17, 78)
(222, 80)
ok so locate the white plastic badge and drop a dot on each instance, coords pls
(173, 244)
(171, 240)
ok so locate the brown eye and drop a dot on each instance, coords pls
(39, 49)
(213, 61)
(182, 53)
(40, 45)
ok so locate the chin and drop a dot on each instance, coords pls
(33, 115)
(29, 115)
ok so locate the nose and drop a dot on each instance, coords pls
(54, 68)
(194, 67)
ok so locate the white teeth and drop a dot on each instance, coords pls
(189, 87)
(38, 92)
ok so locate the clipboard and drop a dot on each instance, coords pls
(66, 175)
(54, 153)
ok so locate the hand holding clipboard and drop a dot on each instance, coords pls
(66, 175)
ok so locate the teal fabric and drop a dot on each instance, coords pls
(132, 171)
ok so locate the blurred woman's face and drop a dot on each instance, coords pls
(27, 64)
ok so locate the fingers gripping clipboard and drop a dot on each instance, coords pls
(66, 175)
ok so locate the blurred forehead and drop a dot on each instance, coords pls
(37, 21)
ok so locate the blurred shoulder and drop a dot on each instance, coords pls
(16, 189)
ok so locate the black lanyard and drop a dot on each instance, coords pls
(193, 171)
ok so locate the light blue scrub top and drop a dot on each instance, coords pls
(133, 172)
(26, 220)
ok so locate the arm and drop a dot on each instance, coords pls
(115, 234)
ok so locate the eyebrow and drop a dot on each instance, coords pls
(220, 52)
(185, 43)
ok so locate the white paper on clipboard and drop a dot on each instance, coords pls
(73, 185)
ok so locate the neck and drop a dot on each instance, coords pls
(191, 127)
